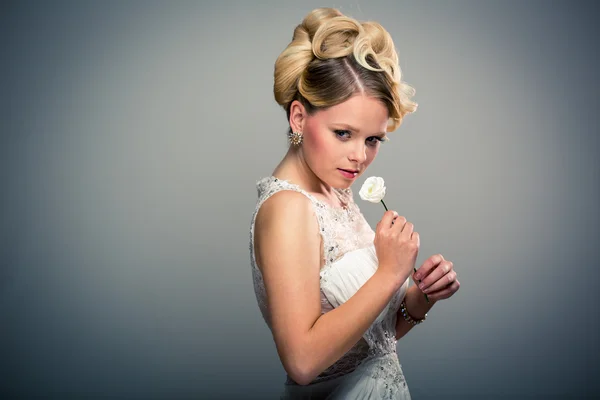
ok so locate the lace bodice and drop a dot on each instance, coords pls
(348, 261)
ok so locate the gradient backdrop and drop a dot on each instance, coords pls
(132, 135)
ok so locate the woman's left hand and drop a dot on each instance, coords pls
(438, 278)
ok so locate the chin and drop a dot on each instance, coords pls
(339, 182)
(344, 184)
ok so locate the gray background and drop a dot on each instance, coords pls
(132, 135)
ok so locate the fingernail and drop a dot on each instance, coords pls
(421, 286)
(418, 276)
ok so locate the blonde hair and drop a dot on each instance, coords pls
(332, 57)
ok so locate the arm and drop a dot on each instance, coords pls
(416, 306)
(288, 251)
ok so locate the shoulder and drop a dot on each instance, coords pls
(286, 233)
(286, 210)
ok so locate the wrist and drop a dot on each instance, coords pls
(408, 317)
(393, 279)
(416, 304)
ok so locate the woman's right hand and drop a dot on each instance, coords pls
(397, 246)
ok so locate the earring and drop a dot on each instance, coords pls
(295, 138)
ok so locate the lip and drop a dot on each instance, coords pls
(348, 174)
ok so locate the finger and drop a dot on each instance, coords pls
(446, 292)
(408, 229)
(441, 283)
(415, 236)
(428, 265)
(399, 223)
(386, 220)
(436, 274)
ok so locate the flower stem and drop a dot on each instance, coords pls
(384, 206)
(426, 298)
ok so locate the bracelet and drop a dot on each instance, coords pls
(407, 317)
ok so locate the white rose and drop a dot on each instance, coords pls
(373, 189)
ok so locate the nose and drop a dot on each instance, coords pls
(359, 153)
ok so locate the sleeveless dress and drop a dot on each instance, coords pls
(370, 369)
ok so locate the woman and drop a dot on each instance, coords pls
(333, 291)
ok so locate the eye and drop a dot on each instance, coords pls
(374, 140)
(342, 134)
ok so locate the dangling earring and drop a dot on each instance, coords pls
(295, 138)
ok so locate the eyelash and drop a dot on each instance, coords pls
(339, 132)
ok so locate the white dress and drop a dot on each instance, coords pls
(370, 369)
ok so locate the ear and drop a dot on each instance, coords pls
(297, 116)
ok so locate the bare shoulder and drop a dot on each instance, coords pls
(284, 208)
(286, 229)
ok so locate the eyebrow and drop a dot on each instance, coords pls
(351, 128)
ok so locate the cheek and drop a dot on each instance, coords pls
(317, 140)
(371, 154)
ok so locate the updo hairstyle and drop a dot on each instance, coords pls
(333, 57)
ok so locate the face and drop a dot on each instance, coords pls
(341, 141)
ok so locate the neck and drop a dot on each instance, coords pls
(294, 168)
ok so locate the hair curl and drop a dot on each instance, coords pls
(332, 57)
